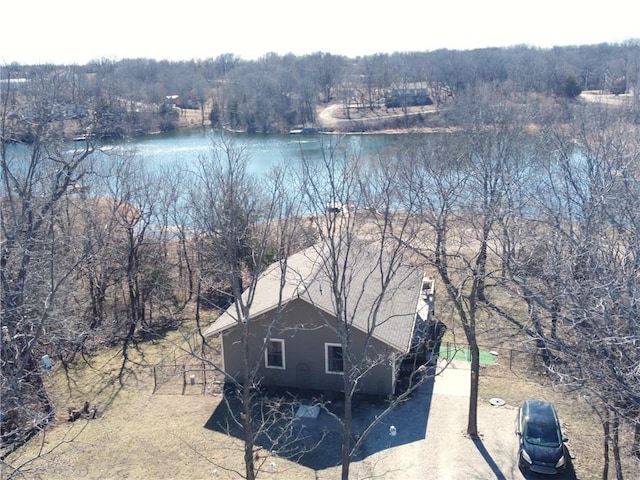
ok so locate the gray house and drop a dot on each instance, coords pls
(292, 335)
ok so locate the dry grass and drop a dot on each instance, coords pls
(137, 434)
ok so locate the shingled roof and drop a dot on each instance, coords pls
(380, 295)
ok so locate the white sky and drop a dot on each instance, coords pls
(76, 32)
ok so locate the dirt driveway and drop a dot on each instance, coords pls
(333, 117)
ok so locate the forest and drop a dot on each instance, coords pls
(278, 93)
(525, 206)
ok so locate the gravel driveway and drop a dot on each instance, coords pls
(431, 440)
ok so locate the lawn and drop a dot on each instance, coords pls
(139, 434)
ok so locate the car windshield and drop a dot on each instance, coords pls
(542, 434)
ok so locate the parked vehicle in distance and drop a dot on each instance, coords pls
(542, 448)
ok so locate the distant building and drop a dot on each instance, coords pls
(408, 95)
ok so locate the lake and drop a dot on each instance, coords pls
(264, 151)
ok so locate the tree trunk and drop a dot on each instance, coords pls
(635, 449)
(203, 340)
(247, 432)
(346, 430)
(607, 432)
(472, 425)
(616, 446)
(247, 427)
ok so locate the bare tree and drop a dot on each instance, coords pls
(36, 180)
(134, 207)
(457, 254)
(364, 266)
(461, 187)
(579, 276)
(243, 227)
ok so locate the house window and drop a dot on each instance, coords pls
(274, 353)
(333, 358)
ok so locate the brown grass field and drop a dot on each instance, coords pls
(153, 427)
(139, 434)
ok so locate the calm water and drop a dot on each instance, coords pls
(264, 151)
(185, 147)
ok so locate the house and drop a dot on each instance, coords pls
(408, 95)
(291, 326)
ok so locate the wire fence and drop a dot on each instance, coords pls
(176, 377)
(186, 379)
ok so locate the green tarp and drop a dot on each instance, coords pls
(449, 352)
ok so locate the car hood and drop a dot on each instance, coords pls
(540, 453)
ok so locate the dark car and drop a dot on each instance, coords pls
(542, 448)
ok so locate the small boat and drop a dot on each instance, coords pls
(309, 131)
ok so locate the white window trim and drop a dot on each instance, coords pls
(266, 354)
(326, 359)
